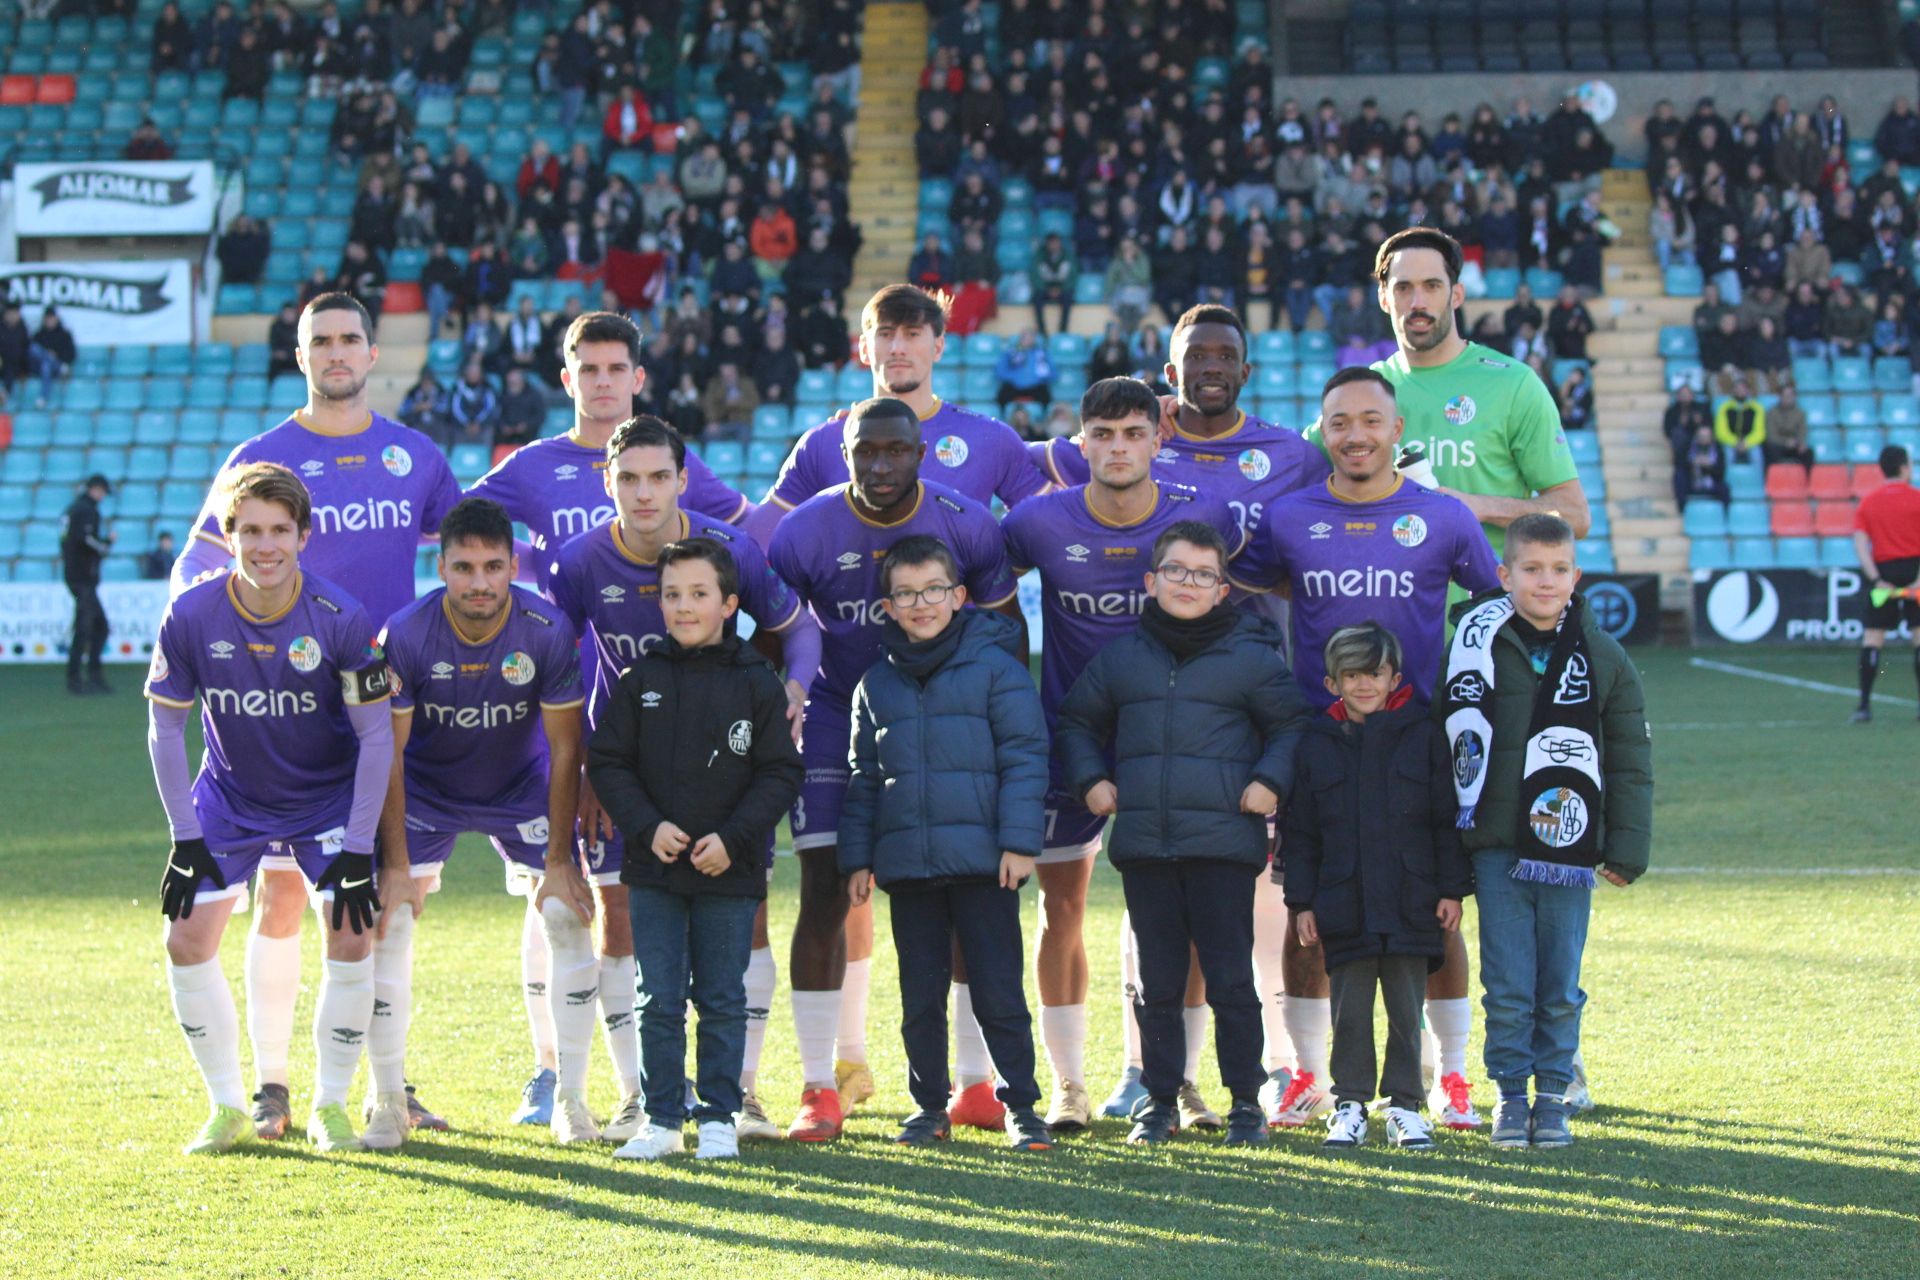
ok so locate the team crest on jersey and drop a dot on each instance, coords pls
(565, 471)
(396, 460)
(1255, 464)
(740, 737)
(221, 649)
(951, 450)
(517, 667)
(613, 594)
(1319, 530)
(157, 669)
(1409, 530)
(1460, 410)
(304, 653)
(312, 467)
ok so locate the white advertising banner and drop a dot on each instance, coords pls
(114, 198)
(36, 620)
(107, 303)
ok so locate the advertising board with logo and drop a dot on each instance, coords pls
(107, 303)
(1797, 606)
(1626, 605)
(114, 198)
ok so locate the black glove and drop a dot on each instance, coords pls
(355, 898)
(188, 864)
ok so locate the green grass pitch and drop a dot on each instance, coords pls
(1752, 1037)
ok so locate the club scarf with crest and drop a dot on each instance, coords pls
(1560, 778)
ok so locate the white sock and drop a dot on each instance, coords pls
(340, 1027)
(1063, 1028)
(536, 969)
(572, 996)
(1449, 1021)
(761, 976)
(273, 983)
(1129, 988)
(1269, 949)
(815, 1014)
(971, 1063)
(1195, 1016)
(203, 1004)
(617, 982)
(1309, 1025)
(392, 1004)
(850, 1041)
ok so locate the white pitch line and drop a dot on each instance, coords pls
(1684, 725)
(1793, 682)
(1783, 871)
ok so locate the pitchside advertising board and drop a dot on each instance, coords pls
(114, 198)
(107, 303)
(1801, 606)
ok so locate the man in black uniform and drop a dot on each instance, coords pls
(83, 543)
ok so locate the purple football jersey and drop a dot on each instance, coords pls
(1388, 561)
(376, 493)
(614, 598)
(476, 754)
(273, 694)
(968, 452)
(557, 488)
(1092, 573)
(831, 554)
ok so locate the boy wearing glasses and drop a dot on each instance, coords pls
(1185, 730)
(950, 841)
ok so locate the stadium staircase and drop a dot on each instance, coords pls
(883, 195)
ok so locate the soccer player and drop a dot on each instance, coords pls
(557, 488)
(607, 582)
(486, 736)
(291, 685)
(902, 337)
(1886, 538)
(1092, 544)
(1366, 546)
(830, 548)
(378, 490)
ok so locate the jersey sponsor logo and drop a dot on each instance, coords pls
(1166, 454)
(849, 560)
(651, 698)
(350, 461)
(396, 460)
(1409, 530)
(271, 704)
(1319, 530)
(1077, 554)
(951, 450)
(740, 737)
(570, 521)
(565, 471)
(486, 715)
(359, 517)
(864, 613)
(1464, 454)
(1368, 583)
(222, 649)
(1105, 604)
(261, 651)
(1255, 464)
(304, 653)
(312, 467)
(517, 667)
(613, 594)
(1460, 410)
(630, 649)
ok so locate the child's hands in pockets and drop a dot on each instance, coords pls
(1448, 913)
(669, 842)
(710, 855)
(1014, 868)
(859, 887)
(1259, 799)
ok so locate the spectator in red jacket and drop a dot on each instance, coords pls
(541, 168)
(629, 120)
(773, 237)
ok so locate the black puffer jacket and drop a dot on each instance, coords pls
(1186, 739)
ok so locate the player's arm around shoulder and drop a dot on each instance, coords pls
(1626, 759)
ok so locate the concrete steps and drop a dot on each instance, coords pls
(883, 194)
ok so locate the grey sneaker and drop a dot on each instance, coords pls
(1194, 1111)
(1510, 1124)
(1550, 1127)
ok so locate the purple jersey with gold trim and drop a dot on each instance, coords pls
(968, 452)
(831, 554)
(1389, 561)
(273, 694)
(476, 752)
(557, 488)
(376, 492)
(614, 598)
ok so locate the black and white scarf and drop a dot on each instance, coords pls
(1560, 779)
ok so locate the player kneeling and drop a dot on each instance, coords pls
(486, 732)
(292, 688)
(694, 762)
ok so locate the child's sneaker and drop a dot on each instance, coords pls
(1125, 1097)
(1347, 1126)
(1153, 1122)
(1194, 1111)
(976, 1107)
(1511, 1130)
(750, 1122)
(1304, 1099)
(1275, 1088)
(924, 1128)
(1027, 1131)
(718, 1141)
(1451, 1102)
(651, 1143)
(820, 1118)
(1409, 1130)
(1550, 1128)
(1246, 1124)
(1579, 1092)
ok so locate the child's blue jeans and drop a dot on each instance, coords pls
(1531, 939)
(690, 946)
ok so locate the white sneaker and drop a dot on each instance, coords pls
(1194, 1111)
(1451, 1102)
(1072, 1109)
(573, 1121)
(625, 1123)
(1579, 1093)
(1347, 1126)
(651, 1143)
(1272, 1091)
(750, 1123)
(718, 1141)
(1408, 1129)
(387, 1123)
(1304, 1099)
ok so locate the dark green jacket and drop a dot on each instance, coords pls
(1626, 752)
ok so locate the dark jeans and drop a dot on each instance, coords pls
(709, 934)
(1044, 298)
(985, 920)
(89, 629)
(1402, 981)
(1181, 907)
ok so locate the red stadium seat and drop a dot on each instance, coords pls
(501, 452)
(16, 91)
(404, 298)
(1833, 519)
(55, 91)
(666, 138)
(1792, 519)
(1866, 478)
(6, 430)
(1830, 482)
(1786, 480)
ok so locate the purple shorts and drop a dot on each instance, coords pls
(1072, 832)
(241, 853)
(825, 737)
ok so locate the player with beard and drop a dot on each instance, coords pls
(378, 490)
